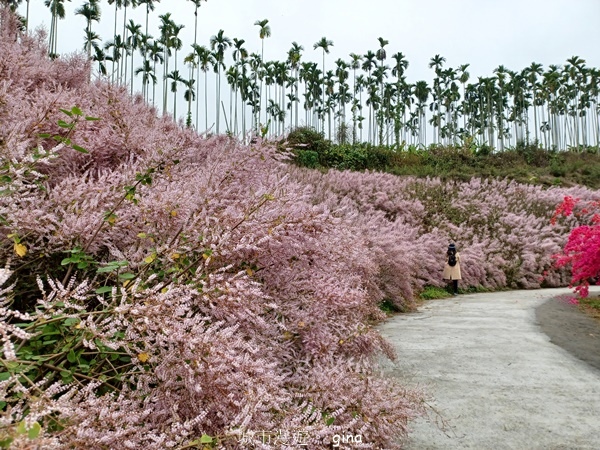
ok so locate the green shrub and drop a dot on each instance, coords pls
(558, 170)
(388, 307)
(484, 150)
(533, 154)
(306, 139)
(379, 158)
(307, 158)
(345, 157)
(359, 157)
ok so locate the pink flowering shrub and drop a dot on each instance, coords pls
(163, 290)
(582, 250)
(501, 228)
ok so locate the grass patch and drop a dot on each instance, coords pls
(590, 306)
(478, 290)
(434, 293)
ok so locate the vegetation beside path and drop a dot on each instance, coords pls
(530, 164)
(591, 306)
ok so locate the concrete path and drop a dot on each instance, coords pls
(496, 380)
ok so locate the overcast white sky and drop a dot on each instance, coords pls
(483, 33)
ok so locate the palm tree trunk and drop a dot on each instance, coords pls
(89, 44)
(124, 56)
(218, 109)
(51, 35)
(27, 18)
(297, 97)
(197, 93)
(323, 94)
(235, 120)
(189, 111)
(146, 48)
(154, 85)
(114, 37)
(175, 103)
(206, 101)
(535, 121)
(231, 107)
(52, 26)
(132, 55)
(369, 137)
(575, 121)
(165, 81)
(596, 114)
(243, 105)
(260, 92)
(545, 132)
(198, 66)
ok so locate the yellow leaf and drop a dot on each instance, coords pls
(164, 290)
(148, 259)
(301, 325)
(20, 250)
(249, 271)
(341, 341)
(142, 235)
(175, 256)
(173, 213)
(112, 219)
(126, 283)
(78, 326)
(143, 357)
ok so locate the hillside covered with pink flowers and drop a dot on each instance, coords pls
(164, 289)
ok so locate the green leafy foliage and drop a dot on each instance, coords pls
(56, 352)
(307, 158)
(79, 258)
(32, 431)
(75, 114)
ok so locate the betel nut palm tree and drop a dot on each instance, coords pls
(90, 10)
(324, 44)
(219, 43)
(263, 33)
(57, 9)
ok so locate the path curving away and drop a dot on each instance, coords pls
(496, 379)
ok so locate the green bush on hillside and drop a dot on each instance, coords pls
(308, 145)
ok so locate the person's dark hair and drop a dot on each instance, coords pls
(451, 255)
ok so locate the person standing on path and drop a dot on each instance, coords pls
(452, 268)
